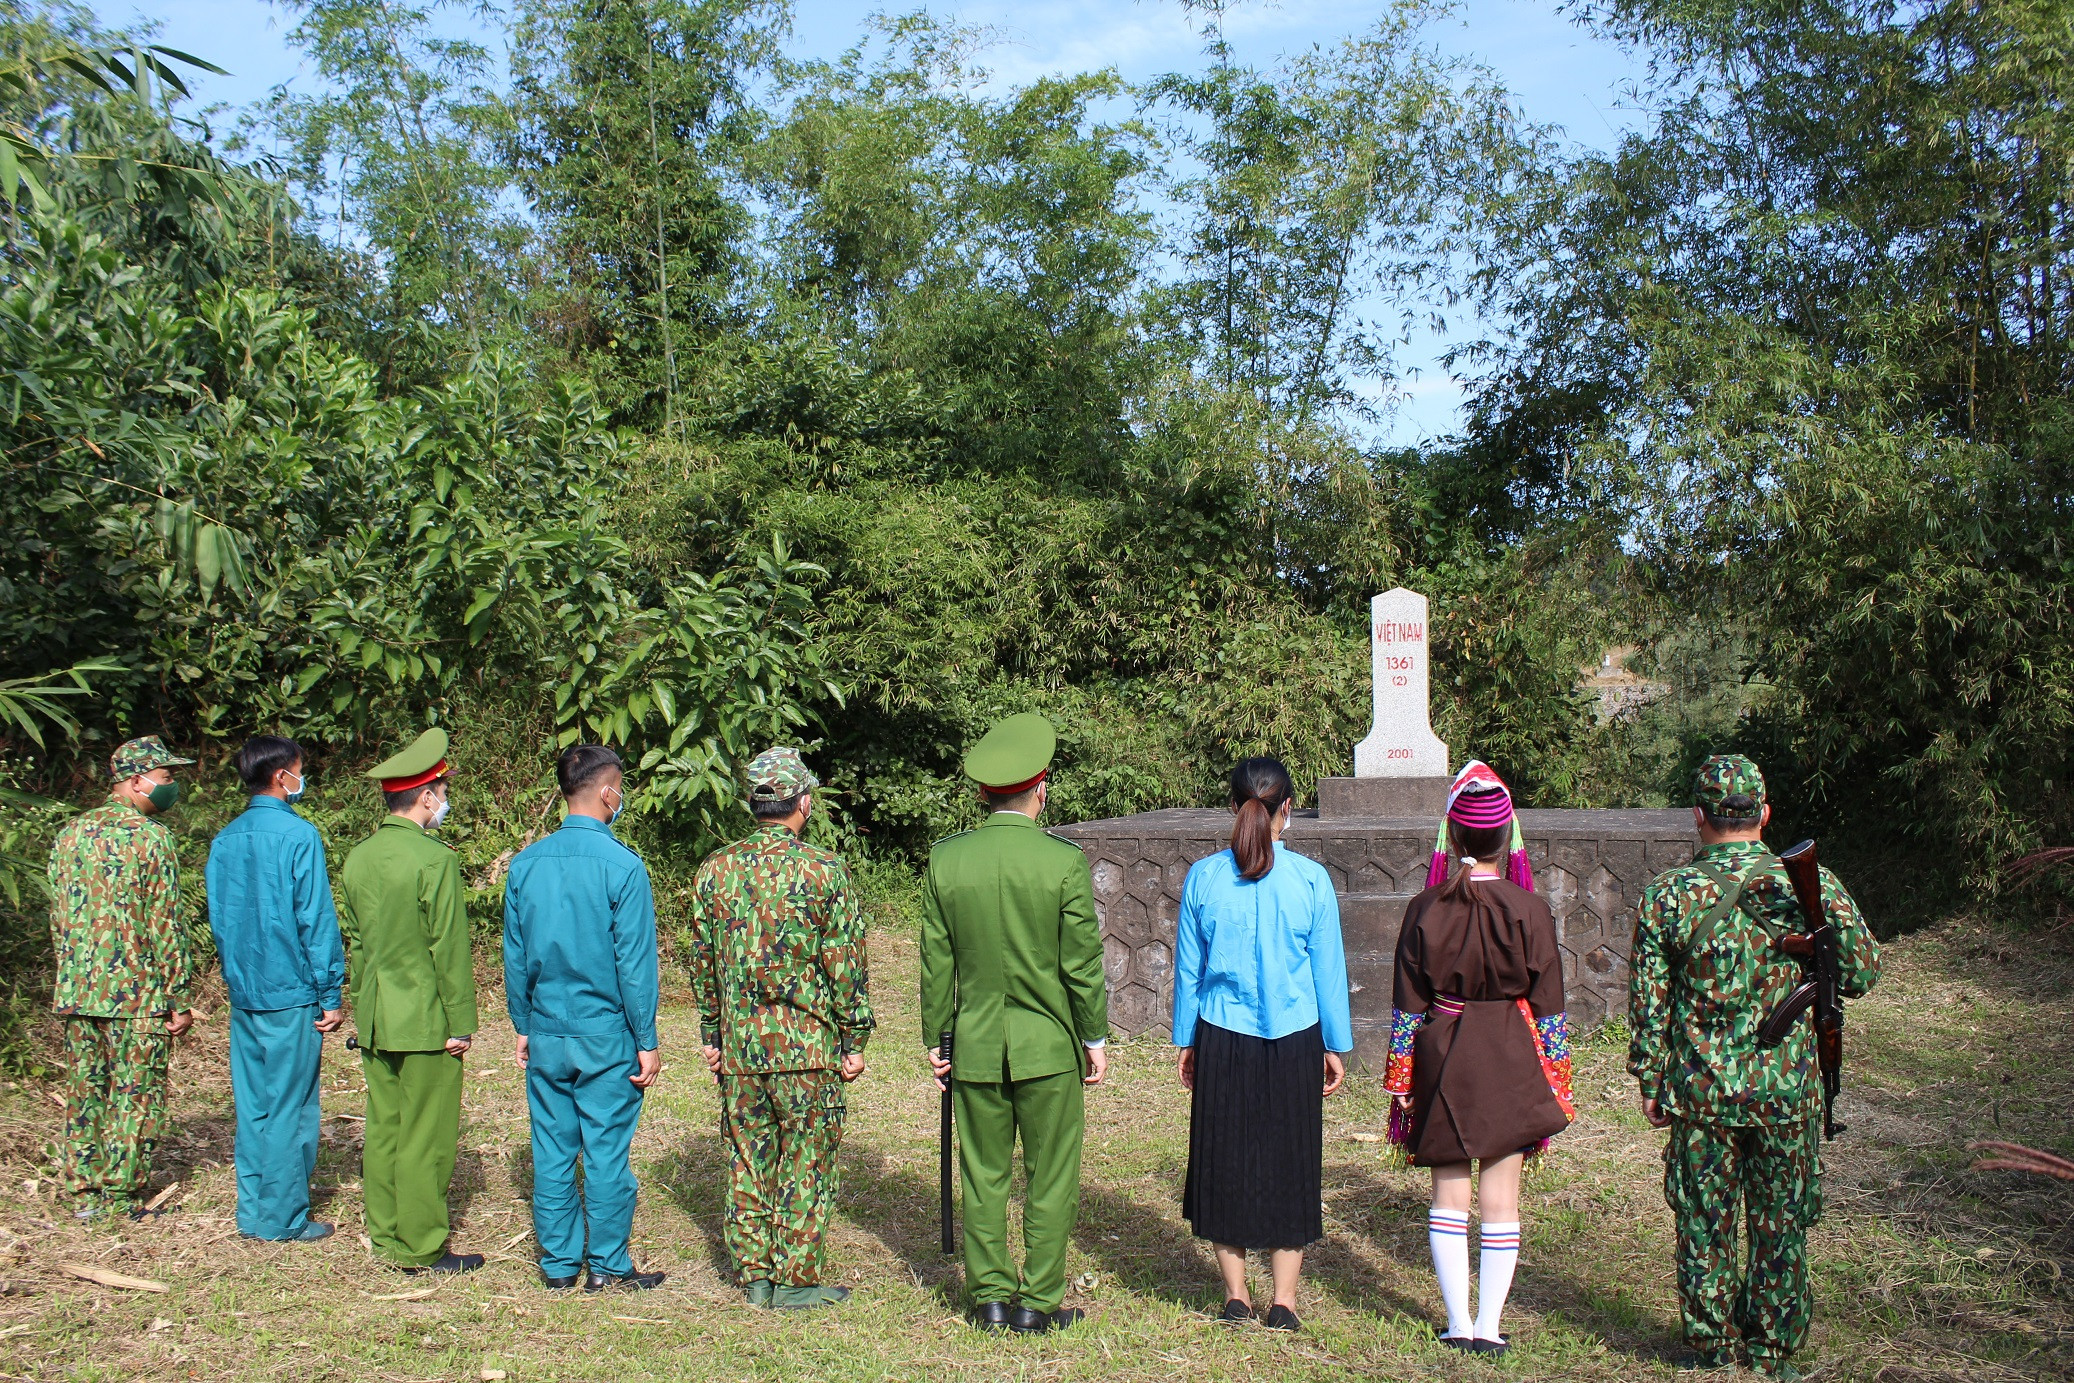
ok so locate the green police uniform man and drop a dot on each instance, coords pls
(778, 969)
(1012, 966)
(402, 908)
(1744, 1121)
(124, 969)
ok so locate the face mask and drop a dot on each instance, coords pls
(163, 796)
(439, 813)
(296, 796)
(622, 806)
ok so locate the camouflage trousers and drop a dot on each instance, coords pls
(115, 1104)
(1771, 1180)
(784, 1129)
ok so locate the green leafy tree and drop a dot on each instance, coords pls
(629, 120)
(1811, 328)
(400, 153)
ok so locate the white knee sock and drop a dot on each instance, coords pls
(1494, 1275)
(1447, 1234)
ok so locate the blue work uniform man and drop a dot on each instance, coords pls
(277, 933)
(581, 985)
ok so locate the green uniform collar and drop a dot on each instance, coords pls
(1005, 818)
(404, 822)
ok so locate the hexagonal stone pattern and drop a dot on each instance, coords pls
(1590, 865)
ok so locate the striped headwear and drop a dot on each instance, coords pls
(1479, 798)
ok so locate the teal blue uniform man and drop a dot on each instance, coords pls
(276, 931)
(581, 985)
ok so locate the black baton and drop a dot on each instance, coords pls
(944, 1174)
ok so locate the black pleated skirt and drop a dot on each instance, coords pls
(1256, 1139)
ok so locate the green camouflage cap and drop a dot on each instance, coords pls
(776, 775)
(141, 755)
(1729, 785)
(1013, 754)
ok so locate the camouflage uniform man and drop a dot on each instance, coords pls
(124, 968)
(1744, 1122)
(778, 968)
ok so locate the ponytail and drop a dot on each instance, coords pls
(1259, 788)
(1469, 846)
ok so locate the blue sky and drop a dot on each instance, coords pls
(1559, 73)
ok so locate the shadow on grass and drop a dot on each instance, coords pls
(193, 1144)
(694, 1177)
(901, 1209)
(1393, 1218)
(1145, 1250)
(1389, 1217)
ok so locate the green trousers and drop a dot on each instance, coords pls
(1049, 1113)
(413, 1129)
(783, 1130)
(1769, 1180)
(115, 1103)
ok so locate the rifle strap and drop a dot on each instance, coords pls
(1731, 886)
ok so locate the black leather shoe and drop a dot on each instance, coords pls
(632, 1282)
(1067, 1317)
(1280, 1317)
(560, 1284)
(450, 1263)
(1024, 1321)
(1236, 1311)
(991, 1315)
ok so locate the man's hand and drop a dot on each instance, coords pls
(853, 1065)
(332, 1021)
(1653, 1111)
(940, 1067)
(651, 1067)
(1097, 1065)
(1185, 1068)
(711, 1056)
(1335, 1072)
(525, 1052)
(179, 1021)
(457, 1045)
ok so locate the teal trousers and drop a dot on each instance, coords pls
(584, 1104)
(1047, 1114)
(274, 1060)
(413, 1132)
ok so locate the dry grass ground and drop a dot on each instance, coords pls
(1924, 1269)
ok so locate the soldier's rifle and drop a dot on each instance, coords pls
(945, 1176)
(1820, 990)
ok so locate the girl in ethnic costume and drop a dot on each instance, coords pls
(1479, 1066)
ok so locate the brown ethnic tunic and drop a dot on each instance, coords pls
(1472, 1063)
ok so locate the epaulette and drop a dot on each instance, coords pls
(951, 837)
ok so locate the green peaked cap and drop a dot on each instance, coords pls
(422, 756)
(1014, 751)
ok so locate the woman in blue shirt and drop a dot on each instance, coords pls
(1260, 1016)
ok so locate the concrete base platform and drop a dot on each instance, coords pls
(1369, 797)
(1590, 865)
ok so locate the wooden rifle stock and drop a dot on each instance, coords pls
(1822, 991)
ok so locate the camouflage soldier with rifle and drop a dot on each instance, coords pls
(1720, 943)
